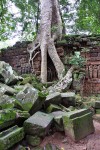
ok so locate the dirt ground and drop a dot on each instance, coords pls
(91, 142)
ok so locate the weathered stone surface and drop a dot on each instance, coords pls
(78, 125)
(33, 140)
(7, 89)
(53, 108)
(54, 98)
(7, 75)
(10, 137)
(6, 101)
(58, 121)
(38, 124)
(97, 111)
(27, 97)
(77, 85)
(9, 116)
(96, 104)
(68, 99)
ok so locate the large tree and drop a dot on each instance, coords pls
(50, 18)
(50, 30)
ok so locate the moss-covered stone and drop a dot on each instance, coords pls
(58, 121)
(79, 126)
(97, 111)
(68, 99)
(10, 137)
(33, 140)
(38, 124)
(54, 98)
(96, 104)
(8, 117)
(53, 108)
(6, 101)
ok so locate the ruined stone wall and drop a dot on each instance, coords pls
(89, 46)
(92, 79)
(17, 56)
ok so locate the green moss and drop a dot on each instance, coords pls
(33, 140)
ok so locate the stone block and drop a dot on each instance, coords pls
(96, 104)
(68, 99)
(78, 125)
(38, 124)
(54, 98)
(97, 111)
(53, 108)
(58, 121)
(33, 140)
(10, 137)
(9, 117)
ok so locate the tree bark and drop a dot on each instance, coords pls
(50, 30)
(50, 17)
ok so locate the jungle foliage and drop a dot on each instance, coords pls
(21, 17)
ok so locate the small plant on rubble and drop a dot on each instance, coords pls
(77, 60)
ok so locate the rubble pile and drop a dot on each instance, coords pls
(28, 114)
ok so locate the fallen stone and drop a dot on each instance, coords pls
(8, 117)
(77, 85)
(7, 75)
(54, 98)
(38, 124)
(96, 104)
(33, 140)
(78, 124)
(6, 101)
(68, 99)
(37, 105)
(21, 116)
(27, 97)
(7, 89)
(10, 137)
(97, 111)
(53, 108)
(58, 121)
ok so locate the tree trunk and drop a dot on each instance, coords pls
(50, 30)
(50, 19)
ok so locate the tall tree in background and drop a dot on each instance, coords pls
(50, 30)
